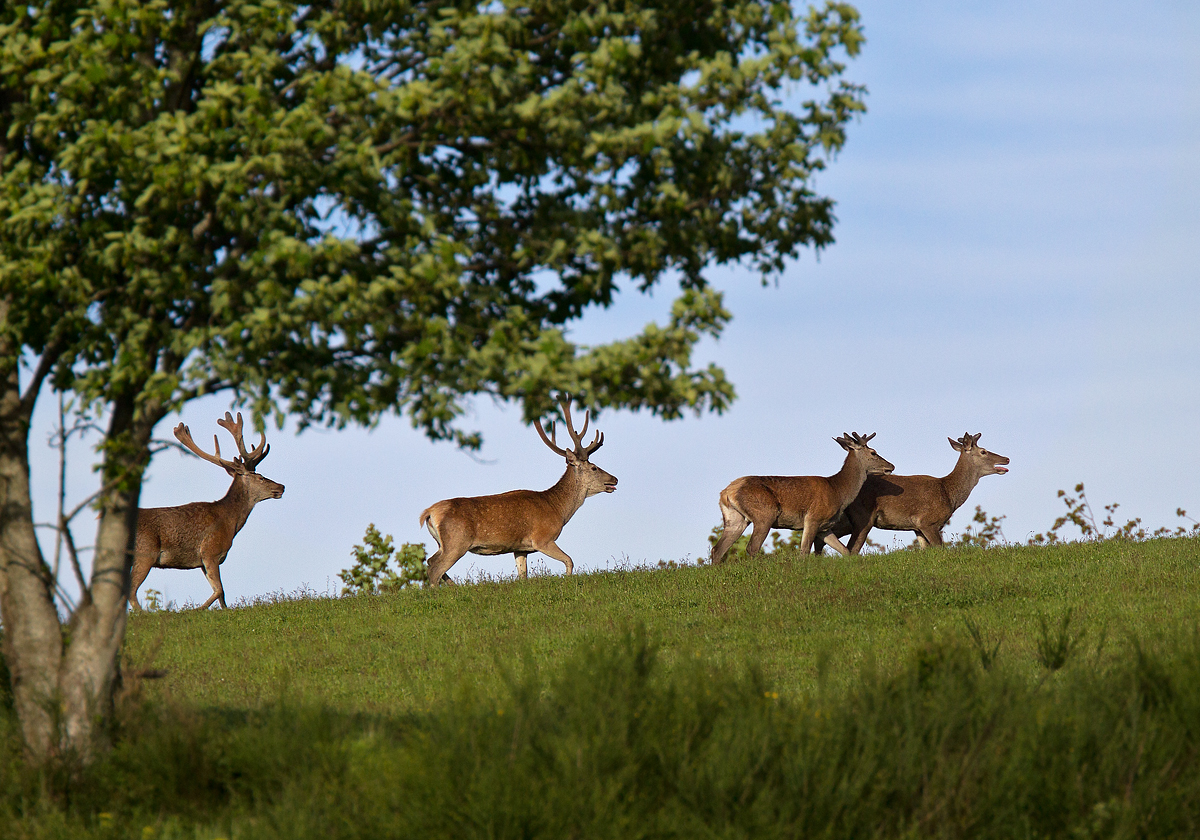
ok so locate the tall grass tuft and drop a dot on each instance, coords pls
(617, 741)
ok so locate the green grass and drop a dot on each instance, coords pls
(792, 616)
(784, 697)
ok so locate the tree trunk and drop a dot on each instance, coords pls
(63, 692)
(32, 635)
(90, 663)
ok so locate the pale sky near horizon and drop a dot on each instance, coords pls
(1018, 250)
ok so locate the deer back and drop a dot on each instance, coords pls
(787, 501)
(901, 502)
(178, 536)
(782, 501)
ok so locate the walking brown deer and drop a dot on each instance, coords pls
(919, 503)
(811, 502)
(519, 521)
(198, 535)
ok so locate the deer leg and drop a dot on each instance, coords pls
(931, 536)
(522, 565)
(833, 542)
(859, 536)
(810, 533)
(552, 550)
(441, 562)
(735, 524)
(137, 576)
(212, 571)
(759, 536)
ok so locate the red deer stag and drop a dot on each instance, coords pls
(919, 503)
(811, 502)
(198, 535)
(519, 521)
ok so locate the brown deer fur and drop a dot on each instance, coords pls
(519, 521)
(198, 535)
(919, 503)
(810, 502)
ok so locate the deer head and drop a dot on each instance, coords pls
(258, 487)
(982, 461)
(857, 445)
(592, 478)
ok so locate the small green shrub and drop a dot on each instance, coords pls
(984, 531)
(371, 574)
(1079, 513)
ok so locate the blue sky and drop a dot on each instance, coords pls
(1018, 250)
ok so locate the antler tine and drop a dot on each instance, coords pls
(564, 400)
(234, 427)
(551, 441)
(596, 443)
(581, 450)
(184, 435)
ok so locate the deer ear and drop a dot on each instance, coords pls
(842, 442)
(955, 445)
(572, 459)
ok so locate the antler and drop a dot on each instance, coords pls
(581, 451)
(854, 438)
(185, 437)
(249, 459)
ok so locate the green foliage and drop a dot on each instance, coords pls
(339, 209)
(370, 573)
(620, 740)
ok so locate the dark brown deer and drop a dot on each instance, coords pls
(198, 535)
(811, 502)
(519, 521)
(922, 504)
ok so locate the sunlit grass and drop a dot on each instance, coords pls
(793, 616)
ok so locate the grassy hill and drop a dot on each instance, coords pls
(1019, 692)
(790, 615)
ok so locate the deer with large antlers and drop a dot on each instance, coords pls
(919, 503)
(810, 502)
(198, 535)
(519, 522)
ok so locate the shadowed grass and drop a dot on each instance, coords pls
(612, 742)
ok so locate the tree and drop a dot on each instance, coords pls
(336, 209)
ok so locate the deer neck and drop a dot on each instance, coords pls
(238, 503)
(568, 495)
(848, 480)
(960, 482)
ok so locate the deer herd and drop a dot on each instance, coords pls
(862, 495)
